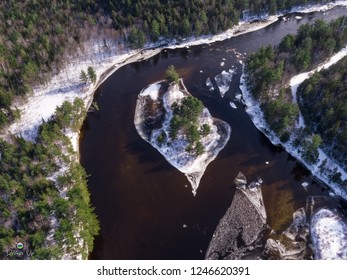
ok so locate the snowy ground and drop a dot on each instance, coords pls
(66, 86)
(314, 8)
(329, 235)
(253, 109)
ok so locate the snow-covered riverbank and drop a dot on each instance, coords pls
(106, 56)
(253, 109)
(329, 235)
(105, 59)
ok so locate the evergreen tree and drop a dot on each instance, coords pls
(136, 38)
(171, 75)
(155, 33)
(83, 77)
(185, 27)
(92, 74)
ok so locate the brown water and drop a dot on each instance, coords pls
(145, 206)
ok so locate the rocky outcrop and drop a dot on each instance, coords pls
(240, 232)
(153, 115)
(320, 232)
(292, 243)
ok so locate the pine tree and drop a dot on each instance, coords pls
(185, 27)
(136, 38)
(92, 74)
(155, 30)
(171, 75)
(84, 77)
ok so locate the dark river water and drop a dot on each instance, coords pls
(145, 206)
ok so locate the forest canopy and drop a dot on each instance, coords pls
(269, 69)
(45, 208)
(323, 103)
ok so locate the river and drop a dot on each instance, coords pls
(145, 206)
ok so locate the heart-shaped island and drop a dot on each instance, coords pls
(179, 126)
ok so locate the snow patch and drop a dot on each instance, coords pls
(329, 235)
(152, 91)
(238, 97)
(74, 138)
(232, 105)
(318, 7)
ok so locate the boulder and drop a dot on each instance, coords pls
(292, 243)
(240, 232)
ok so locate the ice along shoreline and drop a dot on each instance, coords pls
(254, 111)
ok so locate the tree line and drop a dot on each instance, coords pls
(34, 35)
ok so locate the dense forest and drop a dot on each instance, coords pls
(43, 195)
(44, 199)
(323, 103)
(269, 69)
(34, 35)
(186, 118)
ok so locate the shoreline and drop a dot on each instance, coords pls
(257, 116)
(66, 85)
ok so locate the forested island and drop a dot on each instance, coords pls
(179, 127)
(44, 197)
